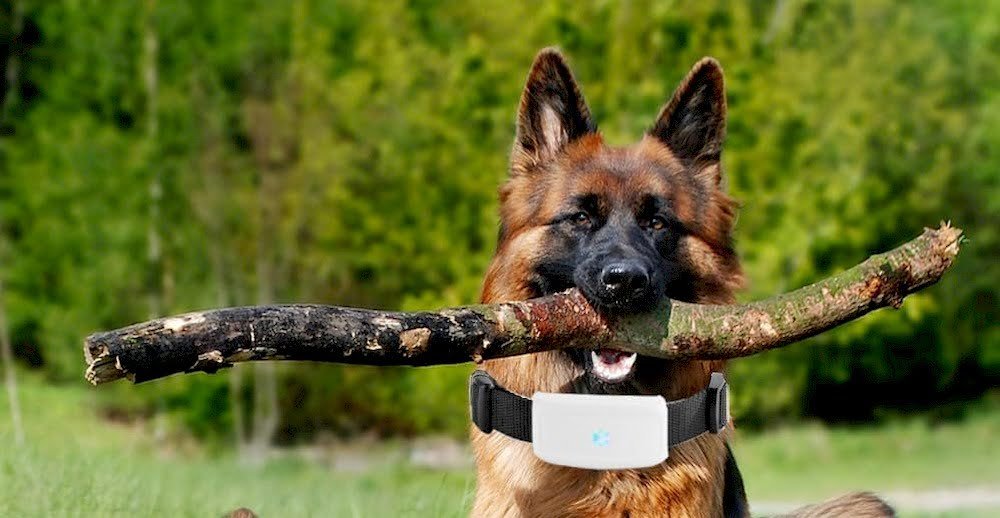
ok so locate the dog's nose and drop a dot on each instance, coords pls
(624, 278)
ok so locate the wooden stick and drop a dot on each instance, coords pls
(210, 340)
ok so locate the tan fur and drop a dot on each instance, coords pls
(512, 482)
(853, 505)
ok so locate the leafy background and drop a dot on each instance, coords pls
(163, 157)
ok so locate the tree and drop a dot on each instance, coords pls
(6, 353)
(851, 125)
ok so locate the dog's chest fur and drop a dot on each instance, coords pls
(512, 482)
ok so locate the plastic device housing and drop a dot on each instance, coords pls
(599, 432)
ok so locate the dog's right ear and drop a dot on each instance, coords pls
(552, 113)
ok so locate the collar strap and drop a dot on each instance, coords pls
(495, 408)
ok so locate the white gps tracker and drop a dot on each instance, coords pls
(599, 432)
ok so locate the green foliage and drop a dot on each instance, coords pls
(349, 153)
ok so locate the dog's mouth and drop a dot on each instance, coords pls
(611, 365)
(604, 370)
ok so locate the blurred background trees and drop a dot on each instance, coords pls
(168, 156)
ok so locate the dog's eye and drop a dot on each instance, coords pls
(654, 223)
(580, 218)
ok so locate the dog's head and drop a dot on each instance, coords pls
(626, 225)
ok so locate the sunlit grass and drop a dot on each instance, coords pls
(810, 463)
(76, 464)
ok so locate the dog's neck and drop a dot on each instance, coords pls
(513, 482)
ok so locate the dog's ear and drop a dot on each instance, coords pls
(693, 123)
(552, 113)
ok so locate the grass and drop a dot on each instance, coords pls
(813, 461)
(75, 464)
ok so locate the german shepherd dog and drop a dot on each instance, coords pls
(627, 226)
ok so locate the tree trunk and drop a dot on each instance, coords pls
(266, 412)
(236, 376)
(150, 76)
(210, 340)
(154, 240)
(6, 351)
(11, 78)
(8, 366)
(776, 22)
(209, 199)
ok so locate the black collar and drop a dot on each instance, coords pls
(495, 408)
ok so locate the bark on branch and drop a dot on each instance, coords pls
(210, 340)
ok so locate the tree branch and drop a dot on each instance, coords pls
(210, 340)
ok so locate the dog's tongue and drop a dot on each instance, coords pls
(610, 356)
(610, 365)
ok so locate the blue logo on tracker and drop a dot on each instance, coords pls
(600, 438)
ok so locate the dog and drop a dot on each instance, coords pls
(627, 226)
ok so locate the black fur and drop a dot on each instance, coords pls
(613, 234)
(693, 124)
(734, 495)
(551, 86)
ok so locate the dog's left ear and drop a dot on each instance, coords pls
(552, 113)
(693, 123)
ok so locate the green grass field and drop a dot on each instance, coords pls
(75, 464)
